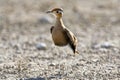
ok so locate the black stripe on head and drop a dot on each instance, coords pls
(57, 9)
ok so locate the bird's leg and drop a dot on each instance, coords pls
(60, 52)
(58, 58)
(64, 55)
(56, 50)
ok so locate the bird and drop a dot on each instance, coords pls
(61, 35)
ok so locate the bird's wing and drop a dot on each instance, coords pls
(72, 39)
(70, 36)
(51, 28)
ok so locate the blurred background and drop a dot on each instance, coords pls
(27, 51)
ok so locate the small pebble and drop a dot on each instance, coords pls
(45, 19)
(41, 46)
(52, 64)
(105, 45)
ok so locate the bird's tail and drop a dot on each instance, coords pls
(76, 52)
(74, 48)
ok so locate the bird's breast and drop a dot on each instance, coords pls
(59, 37)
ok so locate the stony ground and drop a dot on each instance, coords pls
(24, 25)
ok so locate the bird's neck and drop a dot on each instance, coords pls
(59, 22)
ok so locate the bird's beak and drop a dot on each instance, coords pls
(49, 12)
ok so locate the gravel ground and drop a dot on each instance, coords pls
(24, 26)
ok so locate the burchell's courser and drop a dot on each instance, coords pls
(60, 34)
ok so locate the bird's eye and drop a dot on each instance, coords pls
(57, 11)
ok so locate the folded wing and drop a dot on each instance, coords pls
(72, 39)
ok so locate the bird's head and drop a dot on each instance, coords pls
(58, 12)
